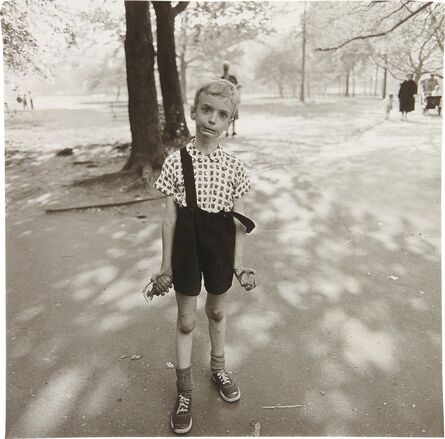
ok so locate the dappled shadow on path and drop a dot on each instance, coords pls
(77, 322)
(347, 318)
(345, 321)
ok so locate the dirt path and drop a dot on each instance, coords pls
(346, 320)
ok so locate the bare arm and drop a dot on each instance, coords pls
(245, 276)
(168, 230)
(238, 206)
(162, 279)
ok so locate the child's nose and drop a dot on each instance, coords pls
(212, 118)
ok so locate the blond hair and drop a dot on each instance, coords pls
(219, 87)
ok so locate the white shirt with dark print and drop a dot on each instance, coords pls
(219, 178)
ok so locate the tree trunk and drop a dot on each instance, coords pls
(183, 76)
(418, 73)
(146, 146)
(303, 54)
(347, 84)
(280, 89)
(376, 79)
(385, 76)
(353, 81)
(182, 61)
(175, 128)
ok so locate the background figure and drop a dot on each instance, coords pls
(429, 84)
(408, 89)
(437, 91)
(388, 103)
(24, 102)
(234, 81)
(31, 103)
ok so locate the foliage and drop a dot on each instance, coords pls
(226, 25)
(280, 67)
(416, 47)
(104, 28)
(33, 33)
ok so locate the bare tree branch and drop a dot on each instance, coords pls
(408, 9)
(193, 59)
(394, 12)
(439, 37)
(379, 34)
(179, 8)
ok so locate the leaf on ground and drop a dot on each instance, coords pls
(170, 365)
(392, 277)
(136, 357)
(257, 427)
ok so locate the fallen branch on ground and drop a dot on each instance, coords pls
(282, 406)
(98, 206)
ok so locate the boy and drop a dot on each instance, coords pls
(204, 187)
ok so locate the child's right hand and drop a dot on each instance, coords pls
(162, 281)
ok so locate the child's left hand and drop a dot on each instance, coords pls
(246, 277)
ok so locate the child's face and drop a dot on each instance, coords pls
(212, 115)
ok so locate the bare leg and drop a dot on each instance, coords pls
(184, 329)
(233, 128)
(215, 305)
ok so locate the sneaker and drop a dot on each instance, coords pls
(228, 389)
(181, 419)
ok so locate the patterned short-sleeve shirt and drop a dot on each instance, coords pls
(219, 178)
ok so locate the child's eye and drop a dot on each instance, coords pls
(223, 115)
(205, 110)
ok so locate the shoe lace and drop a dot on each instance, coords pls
(183, 405)
(223, 376)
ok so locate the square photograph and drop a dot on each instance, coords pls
(223, 218)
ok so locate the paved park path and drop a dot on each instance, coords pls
(345, 323)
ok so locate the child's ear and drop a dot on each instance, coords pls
(193, 112)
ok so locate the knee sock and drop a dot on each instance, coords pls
(184, 382)
(217, 362)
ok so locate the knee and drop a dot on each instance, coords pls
(215, 314)
(186, 323)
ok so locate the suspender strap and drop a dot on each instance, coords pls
(190, 190)
(244, 220)
(189, 178)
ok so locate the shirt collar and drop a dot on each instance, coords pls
(198, 155)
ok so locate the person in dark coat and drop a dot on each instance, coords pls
(408, 89)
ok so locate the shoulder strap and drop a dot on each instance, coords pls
(189, 178)
(190, 190)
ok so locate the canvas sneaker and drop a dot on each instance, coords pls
(228, 389)
(181, 419)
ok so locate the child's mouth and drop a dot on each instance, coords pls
(208, 130)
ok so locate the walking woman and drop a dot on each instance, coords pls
(408, 89)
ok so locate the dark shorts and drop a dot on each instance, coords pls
(203, 246)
